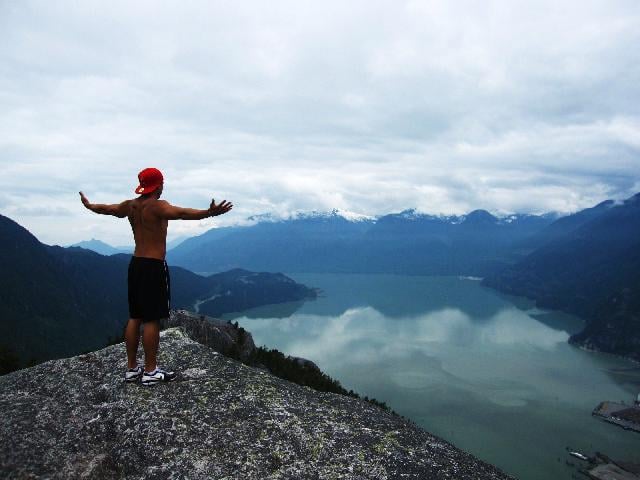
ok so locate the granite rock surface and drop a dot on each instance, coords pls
(220, 419)
(222, 336)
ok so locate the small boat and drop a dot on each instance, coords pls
(579, 455)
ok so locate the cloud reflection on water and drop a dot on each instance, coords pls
(363, 334)
(432, 353)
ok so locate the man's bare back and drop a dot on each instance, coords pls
(149, 229)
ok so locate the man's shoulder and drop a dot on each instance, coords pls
(147, 202)
(155, 206)
(157, 203)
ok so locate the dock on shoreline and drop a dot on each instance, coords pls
(625, 416)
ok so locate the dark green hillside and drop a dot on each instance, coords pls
(34, 297)
(240, 289)
(564, 226)
(99, 287)
(232, 291)
(593, 271)
(615, 326)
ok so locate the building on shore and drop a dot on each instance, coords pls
(623, 415)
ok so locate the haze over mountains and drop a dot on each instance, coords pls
(406, 243)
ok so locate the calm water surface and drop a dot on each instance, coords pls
(489, 373)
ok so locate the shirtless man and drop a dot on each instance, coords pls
(148, 277)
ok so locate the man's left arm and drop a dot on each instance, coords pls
(119, 210)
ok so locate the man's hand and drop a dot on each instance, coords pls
(85, 201)
(219, 209)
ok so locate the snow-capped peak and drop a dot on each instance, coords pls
(314, 214)
(353, 216)
(263, 217)
(346, 214)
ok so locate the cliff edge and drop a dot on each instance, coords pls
(76, 418)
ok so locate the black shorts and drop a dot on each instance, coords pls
(149, 289)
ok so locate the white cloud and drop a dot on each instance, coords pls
(370, 107)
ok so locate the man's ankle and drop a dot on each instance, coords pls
(150, 370)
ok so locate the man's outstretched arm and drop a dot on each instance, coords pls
(117, 209)
(172, 212)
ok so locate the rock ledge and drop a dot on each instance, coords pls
(76, 418)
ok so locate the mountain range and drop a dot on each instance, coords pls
(103, 248)
(406, 243)
(57, 301)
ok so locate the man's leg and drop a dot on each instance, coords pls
(132, 337)
(150, 342)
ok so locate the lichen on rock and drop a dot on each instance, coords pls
(77, 418)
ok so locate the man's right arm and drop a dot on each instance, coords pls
(171, 212)
(120, 210)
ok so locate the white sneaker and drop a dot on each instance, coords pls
(133, 374)
(157, 376)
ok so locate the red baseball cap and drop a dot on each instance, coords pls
(150, 179)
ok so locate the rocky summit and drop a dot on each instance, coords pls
(220, 419)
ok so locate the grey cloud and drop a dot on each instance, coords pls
(40, 211)
(367, 106)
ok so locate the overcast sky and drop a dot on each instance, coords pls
(367, 106)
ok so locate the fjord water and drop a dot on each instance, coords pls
(489, 373)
